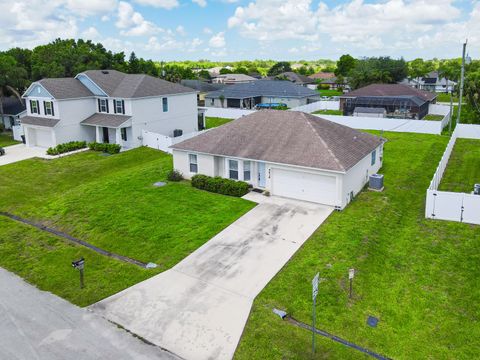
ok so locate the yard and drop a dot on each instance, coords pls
(330, 92)
(445, 97)
(433, 117)
(6, 139)
(463, 168)
(329, 112)
(108, 201)
(418, 276)
(212, 122)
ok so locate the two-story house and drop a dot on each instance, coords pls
(106, 106)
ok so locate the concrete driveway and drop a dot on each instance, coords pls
(20, 152)
(36, 325)
(198, 309)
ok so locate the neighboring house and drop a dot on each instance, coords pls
(431, 82)
(13, 110)
(370, 112)
(322, 75)
(202, 88)
(215, 71)
(335, 84)
(295, 78)
(247, 96)
(106, 106)
(230, 79)
(288, 153)
(399, 101)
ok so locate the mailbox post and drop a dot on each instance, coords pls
(79, 264)
(351, 275)
(314, 298)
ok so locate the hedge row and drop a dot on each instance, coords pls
(106, 148)
(220, 185)
(67, 147)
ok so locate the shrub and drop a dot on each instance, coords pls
(323, 86)
(66, 147)
(220, 185)
(106, 148)
(174, 175)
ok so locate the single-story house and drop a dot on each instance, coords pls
(295, 78)
(247, 96)
(288, 153)
(399, 101)
(230, 79)
(202, 88)
(370, 112)
(13, 110)
(431, 82)
(322, 75)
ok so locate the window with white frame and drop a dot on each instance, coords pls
(48, 107)
(103, 105)
(193, 163)
(34, 109)
(165, 104)
(374, 157)
(119, 107)
(247, 170)
(233, 169)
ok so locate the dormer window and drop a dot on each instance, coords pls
(48, 108)
(103, 105)
(34, 108)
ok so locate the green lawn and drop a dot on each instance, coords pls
(418, 276)
(328, 112)
(212, 122)
(463, 169)
(330, 92)
(444, 97)
(110, 202)
(433, 117)
(6, 139)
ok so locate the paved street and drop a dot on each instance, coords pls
(36, 325)
(199, 308)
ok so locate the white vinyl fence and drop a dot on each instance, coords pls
(17, 132)
(227, 113)
(454, 206)
(163, 142)
(318, 105)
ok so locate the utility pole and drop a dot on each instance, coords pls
(451, 112)
(462, 75)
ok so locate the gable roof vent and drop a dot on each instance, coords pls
(105, 72)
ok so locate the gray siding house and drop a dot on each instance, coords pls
(106, 106)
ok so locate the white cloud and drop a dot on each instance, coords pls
(165, 4)
(207, 30)
(218, 40)
(105, 18)
(201, 3)
(91, 33)
(168, 43)
(91, 7)
(181, 30)
(132, 23)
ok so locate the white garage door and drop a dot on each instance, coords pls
(304, 186)
(43, 138)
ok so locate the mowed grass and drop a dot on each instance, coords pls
(328, 112)
(433, 117)
(111, 202)
(212, 122)
(463, 168)
(418, 276)
(6, 139)
(329, 92)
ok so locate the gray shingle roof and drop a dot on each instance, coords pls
(202, 86)
(390, 90)
(12, 106)
(288, 137)
(65, 88)
(273, 88)
(39, 121)
(107, 120)
(117, 84)
(296, 78)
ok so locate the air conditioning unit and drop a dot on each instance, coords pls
(376, 182)
(177, 132)
(476, 189)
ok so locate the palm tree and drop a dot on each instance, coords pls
(12, 77)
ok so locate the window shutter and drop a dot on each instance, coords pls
(106, 100)
(45, 107)
(53, 111)
(38, 107)
(99, 108)
(114, 106)
(30, 104)
(123, 107)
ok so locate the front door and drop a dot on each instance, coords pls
(105, 135)
(261, 174)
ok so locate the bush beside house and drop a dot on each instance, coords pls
(66, 147)
(220, 185)
(106, 148)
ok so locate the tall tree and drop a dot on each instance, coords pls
(279, 67)
(344, 65)
(12, 79)
(133, 64)
(377, 70)
(471, 89)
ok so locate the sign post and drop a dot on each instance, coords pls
(314, 297)
(351, 274)
(79, 264)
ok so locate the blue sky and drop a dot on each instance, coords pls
(234, 30)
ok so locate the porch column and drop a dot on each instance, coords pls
(97, 134)
(118, 136)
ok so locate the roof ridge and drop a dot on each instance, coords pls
(308, 119)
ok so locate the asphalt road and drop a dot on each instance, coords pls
(37, 325)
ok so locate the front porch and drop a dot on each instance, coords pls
(111, 129)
